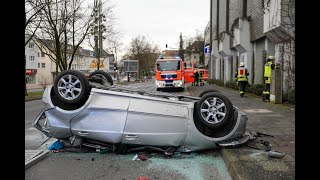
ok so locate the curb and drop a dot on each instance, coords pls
(234, 173)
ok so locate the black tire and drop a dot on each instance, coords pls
(103, 75)
(207, 91)
(68, 84)
(214, 116)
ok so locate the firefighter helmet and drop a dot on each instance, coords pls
(270, 58)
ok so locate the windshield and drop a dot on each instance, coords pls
(171, 65)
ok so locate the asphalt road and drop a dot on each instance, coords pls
(33, 137)
(67, 165)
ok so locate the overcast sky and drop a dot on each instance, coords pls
(161, 21)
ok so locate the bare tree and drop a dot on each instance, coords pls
(64, 27)
(32, 23)
(113, 45)
(33, 19)
(43, 81)
(145, 52)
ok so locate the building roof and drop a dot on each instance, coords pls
(197, 46)
(85, 52)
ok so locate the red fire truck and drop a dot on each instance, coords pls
(170, 73)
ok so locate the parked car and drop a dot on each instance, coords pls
(92, 111)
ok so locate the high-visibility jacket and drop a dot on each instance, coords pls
(267, 72)
(242, 76)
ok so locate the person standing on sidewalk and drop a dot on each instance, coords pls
(242, 78)
(196, 77)
(267, 78)
(201, 78)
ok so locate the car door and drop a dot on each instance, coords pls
(104, 118)
(156, 122)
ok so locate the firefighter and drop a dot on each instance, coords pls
(201, 78)
(196, 77)
(267, 78)
(242, 78)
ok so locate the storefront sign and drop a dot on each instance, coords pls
(31, 71)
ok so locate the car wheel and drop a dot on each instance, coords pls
(71, 87)
(207, 91)
(214, 110)
(103, 75)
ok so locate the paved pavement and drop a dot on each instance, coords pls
(274, 119)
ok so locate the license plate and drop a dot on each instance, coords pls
(169, 83)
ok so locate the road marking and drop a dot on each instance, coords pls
(257, 111)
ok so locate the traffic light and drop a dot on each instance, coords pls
(166, 45)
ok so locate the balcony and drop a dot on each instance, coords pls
(279, 20)
(241, 36)
(224, 44)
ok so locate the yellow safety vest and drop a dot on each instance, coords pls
(267, 72)
(242, 74)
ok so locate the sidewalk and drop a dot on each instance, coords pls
(275, 119)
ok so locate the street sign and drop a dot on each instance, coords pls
(130, 65)
(206, 49)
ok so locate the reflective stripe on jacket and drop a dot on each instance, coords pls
(242, 74)
(267, 69)
(267, 72)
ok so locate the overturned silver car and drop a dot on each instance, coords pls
(92, 110)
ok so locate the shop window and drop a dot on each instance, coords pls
(31, 79)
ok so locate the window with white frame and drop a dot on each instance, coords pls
(31, 58)
(31, 45)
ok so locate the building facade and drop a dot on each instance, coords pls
(249, 31)
(31, 61)
(45, 68)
